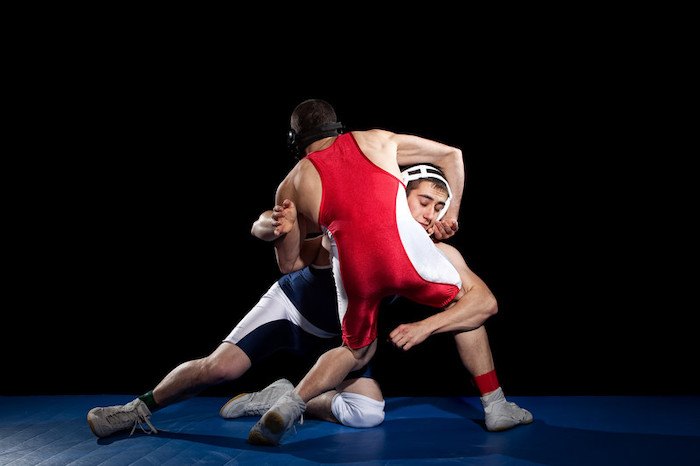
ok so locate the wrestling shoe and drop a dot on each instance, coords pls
(270, 429)
(501, 414)
(256, 403)
(107, 421)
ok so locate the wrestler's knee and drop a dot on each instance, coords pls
(355, 410)
(228, 362)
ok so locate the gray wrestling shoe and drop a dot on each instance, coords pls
(501, 414)
(270, 429)
(256, 403)
(107, 421)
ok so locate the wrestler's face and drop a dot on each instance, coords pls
(426, 202)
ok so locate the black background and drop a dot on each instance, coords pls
(129, 250)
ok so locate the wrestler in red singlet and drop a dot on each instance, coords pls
(377, 248)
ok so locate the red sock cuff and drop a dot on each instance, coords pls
(487, 382)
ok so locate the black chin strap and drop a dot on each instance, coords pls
(320, 132)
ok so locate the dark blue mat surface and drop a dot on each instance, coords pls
(51, 430)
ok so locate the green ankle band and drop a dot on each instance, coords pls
(148, 399)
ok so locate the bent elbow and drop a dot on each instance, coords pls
(286, 268)
(489, 309)
(291, 266)
(492, 306)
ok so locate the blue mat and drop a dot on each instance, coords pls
(51, 430)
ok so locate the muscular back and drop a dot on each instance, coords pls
(380, 148)
(303, 184)
(303, 187)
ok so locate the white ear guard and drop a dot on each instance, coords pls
(418, 172)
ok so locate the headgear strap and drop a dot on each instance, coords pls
(298, 142)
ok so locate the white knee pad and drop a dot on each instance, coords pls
(354, 410)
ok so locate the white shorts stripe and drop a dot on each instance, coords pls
(274, 305)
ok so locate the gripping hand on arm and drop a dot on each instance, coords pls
(474, 306)
(444, 229)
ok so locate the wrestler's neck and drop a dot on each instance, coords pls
(320, 144)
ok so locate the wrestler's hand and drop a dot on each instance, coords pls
(284, 217)
(406, 336)
(444, 229)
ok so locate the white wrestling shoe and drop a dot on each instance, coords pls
(256, 403)
(112, 419)
(270, 429)
(501, 414)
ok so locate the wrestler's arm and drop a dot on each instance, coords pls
(264, 228)
(413, 150)
(309, 251)
(476, 304)
(291, 234)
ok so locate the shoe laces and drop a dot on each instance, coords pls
(254, 407)
(119, 416)
(139, 423)
(257, 410)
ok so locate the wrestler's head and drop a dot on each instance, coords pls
(427, 192)
(312, 120)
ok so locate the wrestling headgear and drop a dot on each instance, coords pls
(298, 142)
(418, 172)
